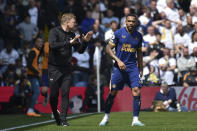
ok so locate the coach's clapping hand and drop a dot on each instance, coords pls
(75, 40)
(121, 65)
(88, 36)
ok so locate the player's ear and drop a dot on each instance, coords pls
(137, 23)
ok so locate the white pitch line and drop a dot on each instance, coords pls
(44, 122)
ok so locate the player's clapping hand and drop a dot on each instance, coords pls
(121, 65)
(88, 36)
(75, 39)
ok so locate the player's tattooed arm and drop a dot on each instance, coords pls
(110, 52)
(140, 61)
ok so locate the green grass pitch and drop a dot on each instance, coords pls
(119, 121)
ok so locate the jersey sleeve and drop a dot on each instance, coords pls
(140, 41)
(114, 40)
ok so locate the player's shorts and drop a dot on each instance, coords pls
(120, 78)
(45, 81)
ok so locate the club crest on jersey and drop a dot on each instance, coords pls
(123, 36)
(136, 38)
(114, 86)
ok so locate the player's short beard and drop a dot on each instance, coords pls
(131, 29)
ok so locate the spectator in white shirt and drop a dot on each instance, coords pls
(193, 12)
(167, 32)
(194, 3)
(145, 18)
(110, 33)
(161, 5)
(150, 37)
(182, 16)
(167, 65)
(151, 59)
(8, 57)
(184, 63)
(33, 12)
(171, 12)
(181, 39)
(193, 42)
(194, 54)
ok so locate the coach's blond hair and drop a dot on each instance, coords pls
(67, 17)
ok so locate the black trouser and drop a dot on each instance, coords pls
(63, 81)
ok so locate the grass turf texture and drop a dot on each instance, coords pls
(11, 120)
(119, 121)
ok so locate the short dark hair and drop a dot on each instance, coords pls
(113, 21)
(193, 35)
(132, 14)
(158, 33)
(38, 37)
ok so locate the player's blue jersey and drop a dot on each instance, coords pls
(126, 45)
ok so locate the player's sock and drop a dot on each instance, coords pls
(135, 118)
(45, 102)
(106, 116)
(108, 106)
(136, 106)
(30, 110)
(136, 110)
(44, 94)
(105, 120)
(109, 103)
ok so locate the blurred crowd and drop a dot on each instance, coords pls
(169, 29)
